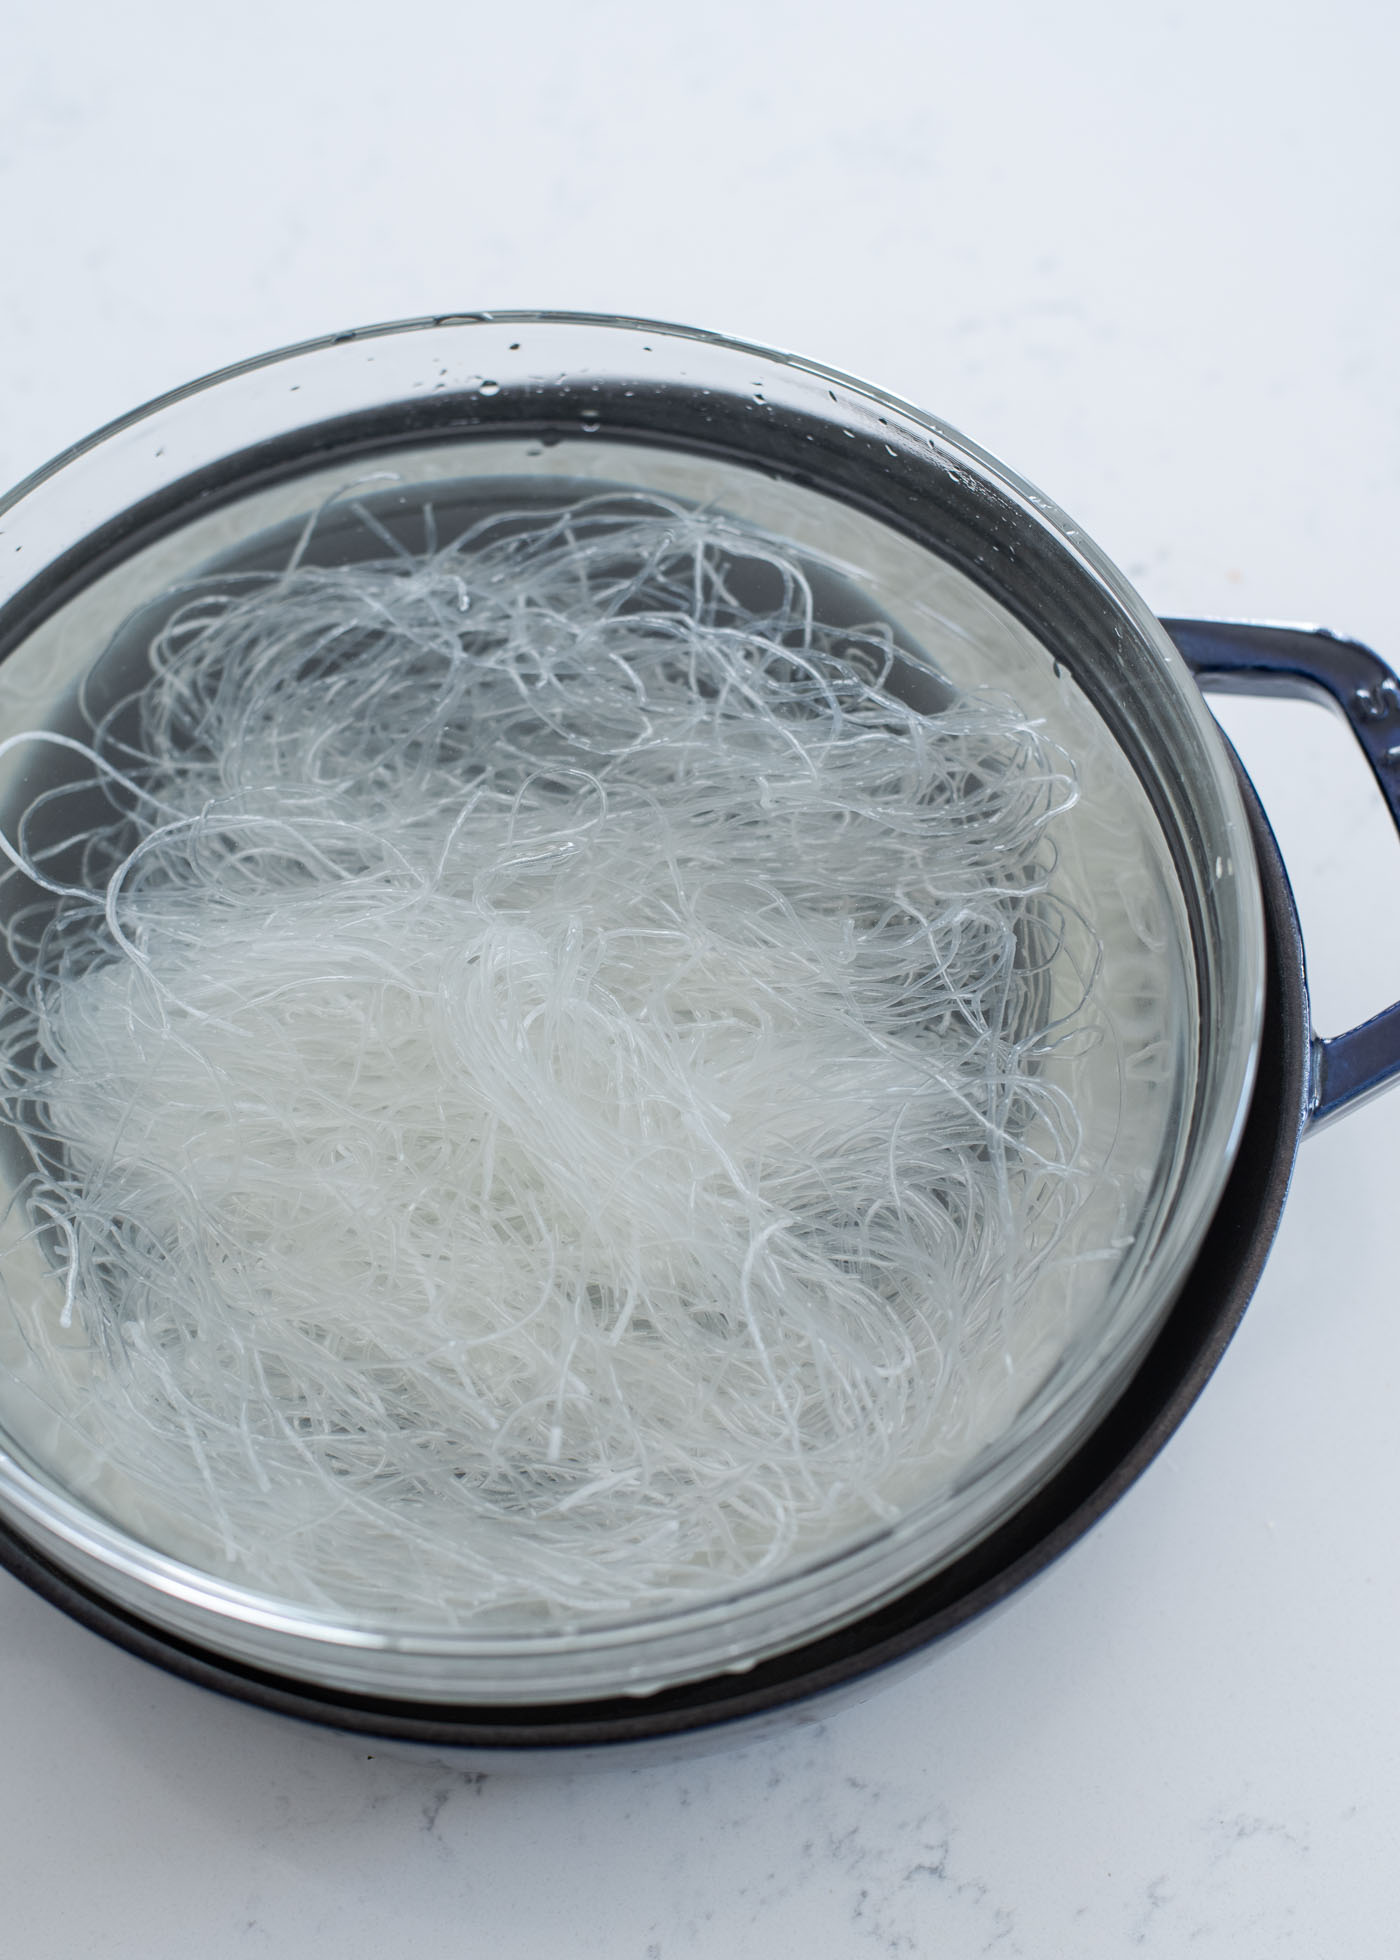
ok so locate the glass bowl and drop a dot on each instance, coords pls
(985, 584)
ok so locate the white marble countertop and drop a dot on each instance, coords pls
(1149, 256)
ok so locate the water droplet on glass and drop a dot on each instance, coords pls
(490, 388)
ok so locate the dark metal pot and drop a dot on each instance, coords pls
(360, 398)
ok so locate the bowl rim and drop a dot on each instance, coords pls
(1046, 513)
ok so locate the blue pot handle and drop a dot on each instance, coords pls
(1239, 658)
